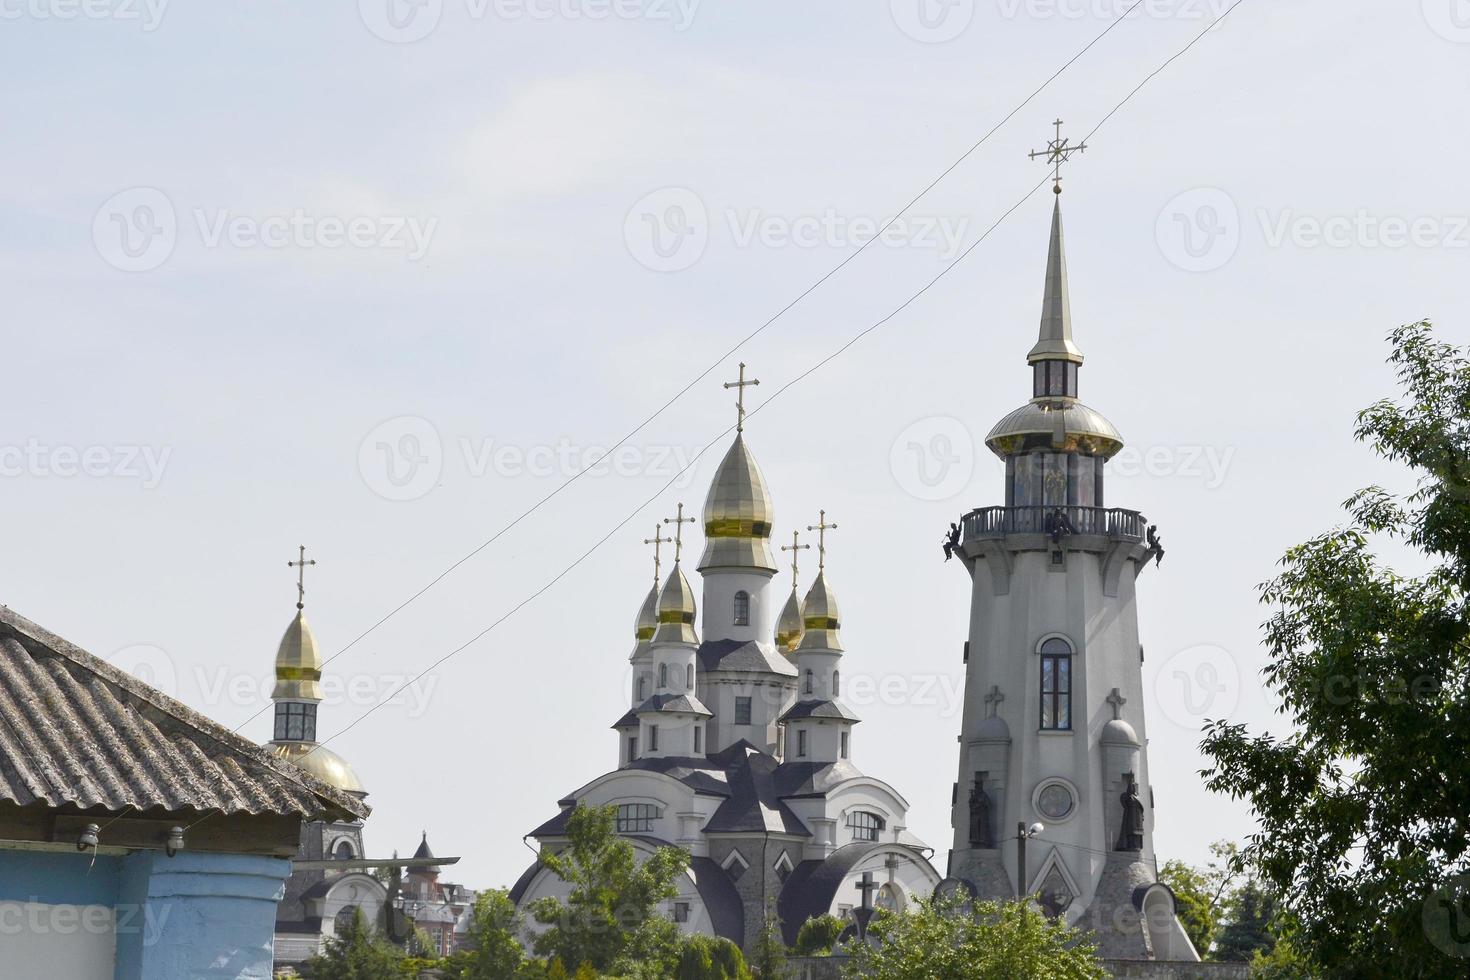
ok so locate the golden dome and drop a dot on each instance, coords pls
(647, 623)
(737, 514)
(821, 618)
(789, 626)
(1059, 425)
(322, 763)
(676, 610)
(298, 665)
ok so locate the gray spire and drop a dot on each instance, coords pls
(1055, 343)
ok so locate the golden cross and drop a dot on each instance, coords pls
(794, 547)
(300, 566)
(740, 387)
(1058, 151)
(679, 523)
(822, 529)
(656, 540)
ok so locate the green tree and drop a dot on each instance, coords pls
(356, 952)
(1362, 809)
(768, 956)
(818, 935)
(706, 958)
(493, 951)
(983, 941)
(611, 914)
(1194, 902)
(1250, 921)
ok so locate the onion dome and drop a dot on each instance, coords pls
(1060, 426)
(676, 611)
(789, 625)
(647, 623)
(821, 618)
(737, 514)
(322, 763)
(298, 665)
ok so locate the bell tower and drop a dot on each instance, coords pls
(1053, 725)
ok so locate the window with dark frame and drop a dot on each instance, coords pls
(295, 722)
(1056, 685)
(742, 608)
(742, 711)
(865, 826)
(681, 911)
(637, 818)
(801, 743)
(653, 738)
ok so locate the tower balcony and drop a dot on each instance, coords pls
(1111, 522)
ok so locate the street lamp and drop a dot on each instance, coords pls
(1022, 834)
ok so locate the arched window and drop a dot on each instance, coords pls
(837, 683)
(663, 676)
(344, 851)
(689, 678)
(742, 608)
(809, 680)
(865, 826)
(1056, 685)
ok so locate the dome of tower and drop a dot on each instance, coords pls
(676, 610)
(820, 617)
(298, 665)
(1059, 425)
(322, 763)
(647, 623)
(737, 514)
(789, 625)
(1119, 732)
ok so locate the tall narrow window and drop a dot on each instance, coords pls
(844, 744)
(809, 680)
(663, 676)
(632, 749)
(689, 678)
(837, 683)
(1056, 685)
(801, 743)
(653, 738)
(742, 711)
(742, 608)
(642, 689)
(698, 738)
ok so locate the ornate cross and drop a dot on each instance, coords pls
(300, 566)
(993, 700)
(1058, 151)
(656, 540)
(740, 387)
(1117, 701)
(679, 523)
(867, 886)
(821, 528)
(794, 547)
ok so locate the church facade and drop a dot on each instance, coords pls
(736, 744)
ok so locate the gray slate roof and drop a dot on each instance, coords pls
(76, 731)
(819, 709)
(743, 655)
(812, 887)
(684, 704)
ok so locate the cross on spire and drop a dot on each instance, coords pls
(1058, 151)
(656, 540)
(822, 527)
(678, 523)
(740, 387)
(794, 547)
(300, 566)
(1117, 700)
(867, 886)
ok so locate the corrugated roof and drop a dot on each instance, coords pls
(77, 731)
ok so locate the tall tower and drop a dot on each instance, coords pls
(1053, 729)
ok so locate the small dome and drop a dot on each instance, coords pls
(676, 610)
(993, 729)
(1119, 732)
(647, 623)
(737, 514)
(820, 617)
(322, 763)
(298, 665)
(1062, 425)
(789, 625)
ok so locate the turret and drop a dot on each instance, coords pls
(671, 721)
(819, 726)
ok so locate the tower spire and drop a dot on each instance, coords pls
(1055, 340)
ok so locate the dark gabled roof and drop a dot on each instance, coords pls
(754, 805)
(813, 778)
(423, 849)
(721, 900)
(518, 890)
(629, 720)
(834, 710)
(743, 655)
(555, 827)
(681, 704)
(77, 731)
(812, 887)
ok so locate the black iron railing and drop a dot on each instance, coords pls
(1110, 521)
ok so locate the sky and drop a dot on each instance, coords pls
(378, 277)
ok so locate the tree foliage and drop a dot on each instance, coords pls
(768, 955)
(492, 948)
(706, 958)
(818, 935)
(356, 952)
(611, 916)
(1250, 924)
(1362, 810)
(983, 941)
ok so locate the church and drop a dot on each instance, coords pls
(737, 746)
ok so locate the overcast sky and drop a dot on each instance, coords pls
(376, 279)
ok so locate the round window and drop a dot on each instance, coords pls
(1055, 801)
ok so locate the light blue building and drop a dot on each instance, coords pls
(138, 839)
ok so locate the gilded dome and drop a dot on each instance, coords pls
(1061, 425)
(298, 665)
(647, 623)
(322, 763)
(821, 618)
(789, 625)
(737, 514)
(676, 610)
